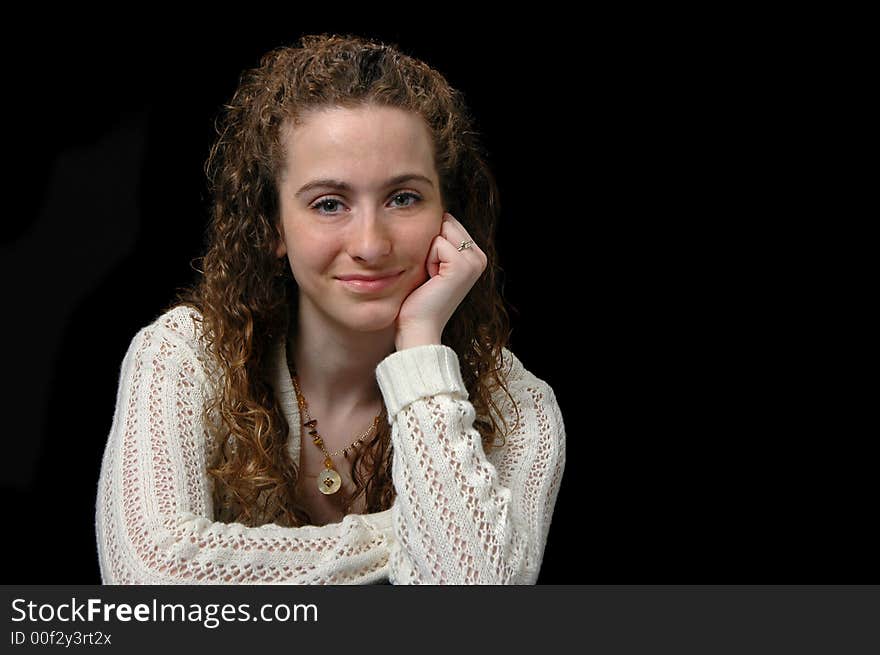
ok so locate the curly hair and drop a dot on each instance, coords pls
(247, 298)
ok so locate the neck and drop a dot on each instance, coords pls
(336, 368)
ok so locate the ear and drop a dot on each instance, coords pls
(281, 248)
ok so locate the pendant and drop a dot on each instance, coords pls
(329, 482)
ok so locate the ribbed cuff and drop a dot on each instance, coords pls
(419, 372)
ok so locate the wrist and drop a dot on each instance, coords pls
(415, 338)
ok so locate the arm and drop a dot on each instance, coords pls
(154, 512)
(459, 518)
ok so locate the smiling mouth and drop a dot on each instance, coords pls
(367, 278)
(371, 285)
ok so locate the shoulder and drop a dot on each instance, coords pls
(174, 334)
(517, 375)
(527, 388)
(181, 322)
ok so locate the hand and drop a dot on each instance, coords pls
(452, 273)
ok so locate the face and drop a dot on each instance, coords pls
(373, 225)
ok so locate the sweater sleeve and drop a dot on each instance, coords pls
(154, 511)
(459, 517)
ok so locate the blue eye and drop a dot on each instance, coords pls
(407, 194)
(323, 204)
(332, 202)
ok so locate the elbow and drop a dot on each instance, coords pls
(157, 557)
(517, 569)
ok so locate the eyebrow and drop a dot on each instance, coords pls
(344, 186)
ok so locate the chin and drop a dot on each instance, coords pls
(373, 319)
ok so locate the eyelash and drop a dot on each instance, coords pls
(417, 199)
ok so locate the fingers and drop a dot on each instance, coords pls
(455, 233)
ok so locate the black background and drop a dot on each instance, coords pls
(688, 458)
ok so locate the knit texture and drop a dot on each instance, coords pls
(460, 516)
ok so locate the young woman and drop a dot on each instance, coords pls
(333, 401)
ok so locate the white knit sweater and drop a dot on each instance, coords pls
(459, 517)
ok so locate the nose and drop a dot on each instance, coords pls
(369, 239)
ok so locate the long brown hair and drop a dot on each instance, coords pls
(247, 298)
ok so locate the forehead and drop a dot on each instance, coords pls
(357, 143)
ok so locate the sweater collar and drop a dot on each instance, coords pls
(286, 395)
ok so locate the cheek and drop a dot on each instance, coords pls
(419, 249)
(422, 240)
(309, 261)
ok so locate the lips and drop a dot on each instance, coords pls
(368, 284)
(368, 278)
